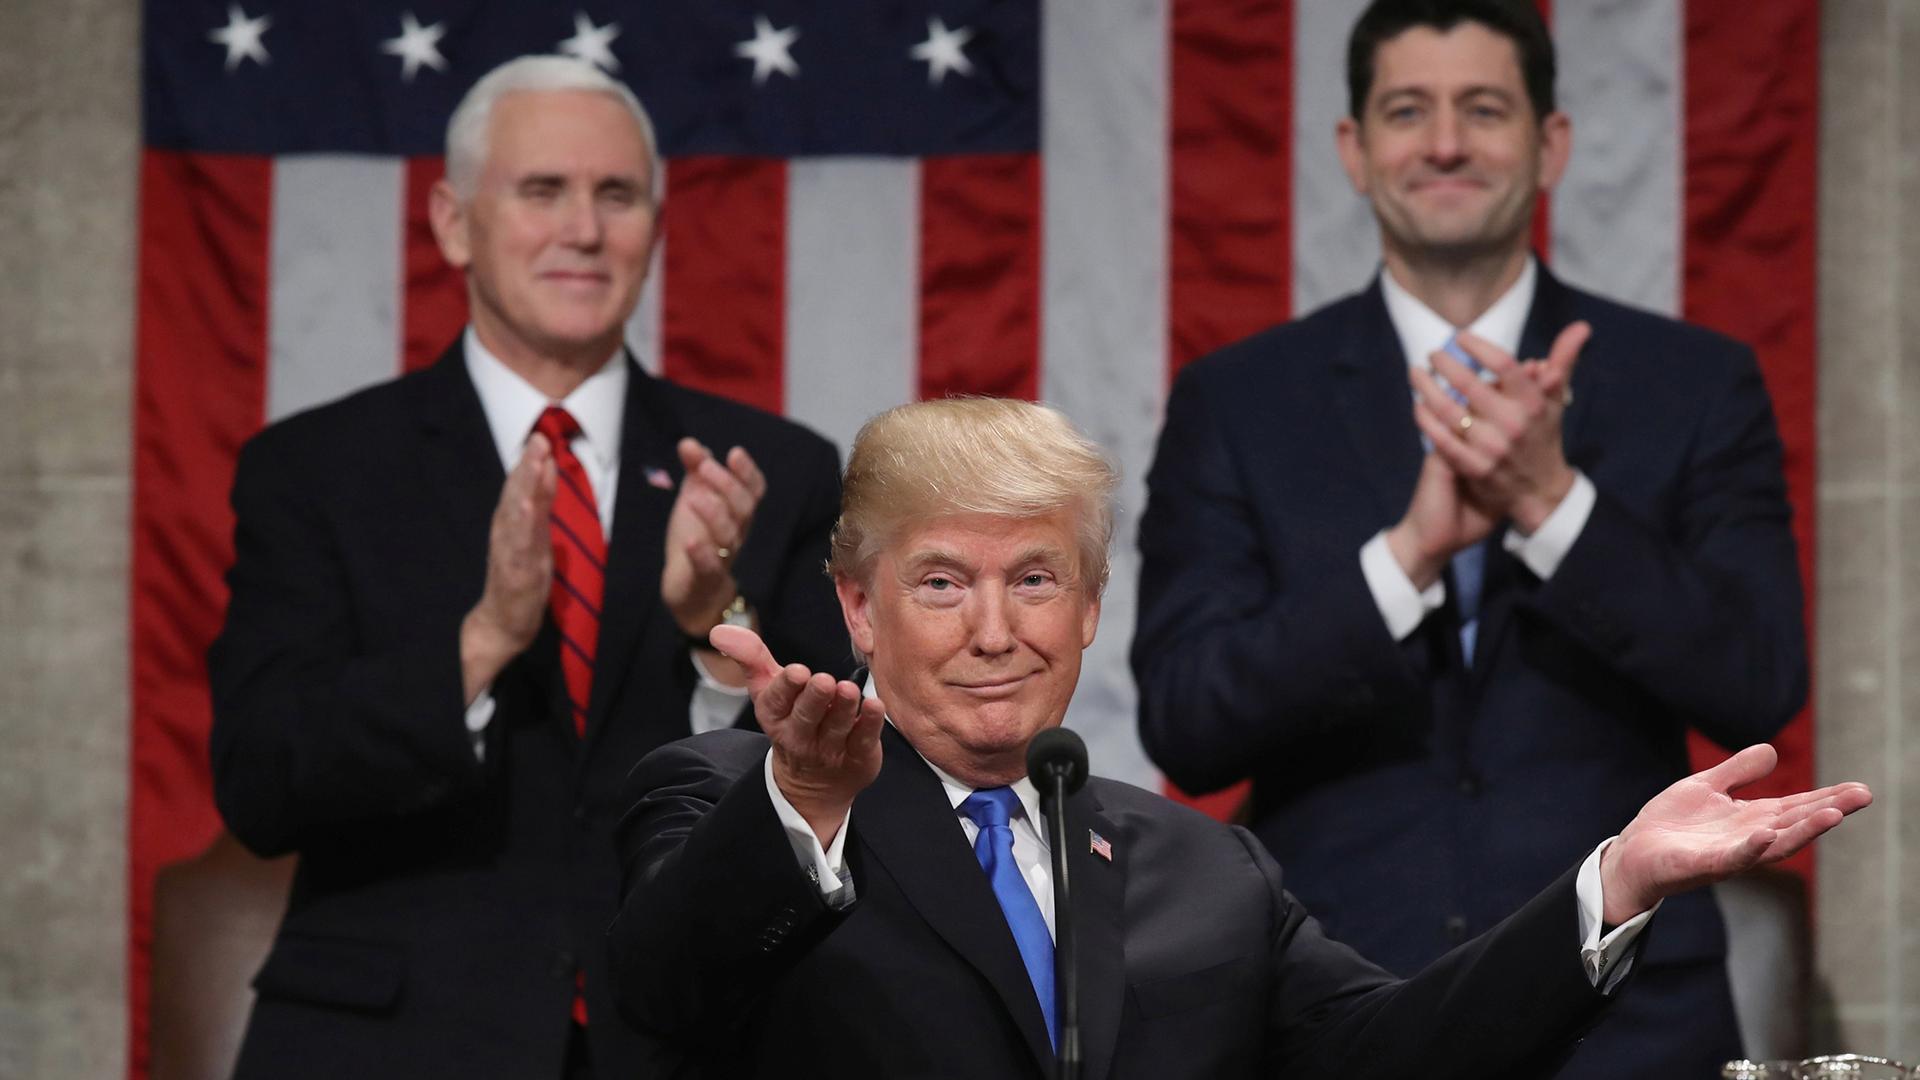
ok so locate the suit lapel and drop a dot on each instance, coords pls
(1097, 886)
(458, 459)
(1370, 387)
(636, 550)
(906, 823)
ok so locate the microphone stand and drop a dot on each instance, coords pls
(1066, 967)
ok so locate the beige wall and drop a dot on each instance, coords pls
(1867, 672)
(68, 166)
(69, 140)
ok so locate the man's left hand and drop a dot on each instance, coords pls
(708, 524)
(1508, 448)
(1696, 832)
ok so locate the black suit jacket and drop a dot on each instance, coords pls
(1195, 962)
(443, 904)
(1416, 800)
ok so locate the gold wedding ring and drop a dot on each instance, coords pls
(724, 553)
(1466, 423)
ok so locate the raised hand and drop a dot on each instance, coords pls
(1439, 522)
(826, 736)
(519, 571)
(1505, 442)
(1697, 832)
(705, 529)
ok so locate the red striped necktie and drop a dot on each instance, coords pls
(579, 563)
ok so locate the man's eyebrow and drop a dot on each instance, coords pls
(1041, 553)
(926, 557)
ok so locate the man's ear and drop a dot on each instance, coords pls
(1089, 623)
(857, 609)
(449, 219)
(1347, 139)
(1556, 148)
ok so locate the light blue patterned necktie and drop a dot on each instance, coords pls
(1469, 563)
(991, 809)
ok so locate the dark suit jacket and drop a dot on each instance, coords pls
(1195, 962)
(1414, 801)
(443, 904)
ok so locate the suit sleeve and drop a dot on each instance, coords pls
(713, 903)
(311, 729)
(1703, 613)
(1234, 660)
(1510, 1003)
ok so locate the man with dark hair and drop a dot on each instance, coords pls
(1454, 612)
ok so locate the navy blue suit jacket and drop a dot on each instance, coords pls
(443, 904)
(1413, 800)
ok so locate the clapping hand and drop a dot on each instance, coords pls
(826, 736)
(1698, 832)
(705, 529)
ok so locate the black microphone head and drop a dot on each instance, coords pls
(1057, 750)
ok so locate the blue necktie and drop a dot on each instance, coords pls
(1470, 563)
(991, 809)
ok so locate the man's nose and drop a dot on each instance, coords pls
(991, 622)
(581, 226)
(1446, 143)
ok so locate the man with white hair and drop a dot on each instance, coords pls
(466, 601)
(865, 890)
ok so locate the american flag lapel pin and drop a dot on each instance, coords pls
(658, 477)
(1099, 846)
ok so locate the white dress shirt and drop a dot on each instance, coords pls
(1422, 332)
(598, 405)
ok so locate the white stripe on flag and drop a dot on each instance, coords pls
(853, 291)
(332, 322)
(1336, 247)
(643, 326)
(1104, 300)
(1616, 215)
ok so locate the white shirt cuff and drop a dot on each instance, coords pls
(1549, 544)
(823, 865)
(1402, 606)
(479, 715)
(714, 703)
(1607, 959)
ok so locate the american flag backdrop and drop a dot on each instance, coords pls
(869, 201)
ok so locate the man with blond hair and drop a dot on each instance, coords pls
(865, 890)
(466, 601)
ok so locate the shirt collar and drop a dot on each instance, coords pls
(1023, 788)
(1422, 331)
(511, 403)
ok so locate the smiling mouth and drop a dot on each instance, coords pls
(994, 687)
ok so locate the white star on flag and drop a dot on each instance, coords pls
(591, 43)
(942, 50)
(769, 50)
(416, 45)
(241, 36)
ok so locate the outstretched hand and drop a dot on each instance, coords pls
(1696, 832)
(826, 736)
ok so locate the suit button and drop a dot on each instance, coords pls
(563, 965)
(1456, 929)
(1469, 785)
(580, 812)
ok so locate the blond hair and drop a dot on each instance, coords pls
(954, 456)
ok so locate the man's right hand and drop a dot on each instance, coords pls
(826, 737)
(519, 572)
(1439, 522)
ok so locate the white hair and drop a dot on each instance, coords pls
(468, 128)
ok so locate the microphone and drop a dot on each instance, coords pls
(1057, 763)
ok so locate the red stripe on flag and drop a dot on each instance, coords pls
(1752, 129)
(1230, 257)
(205, 224)
(724, 296)
(434, 295)
(980, 276)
